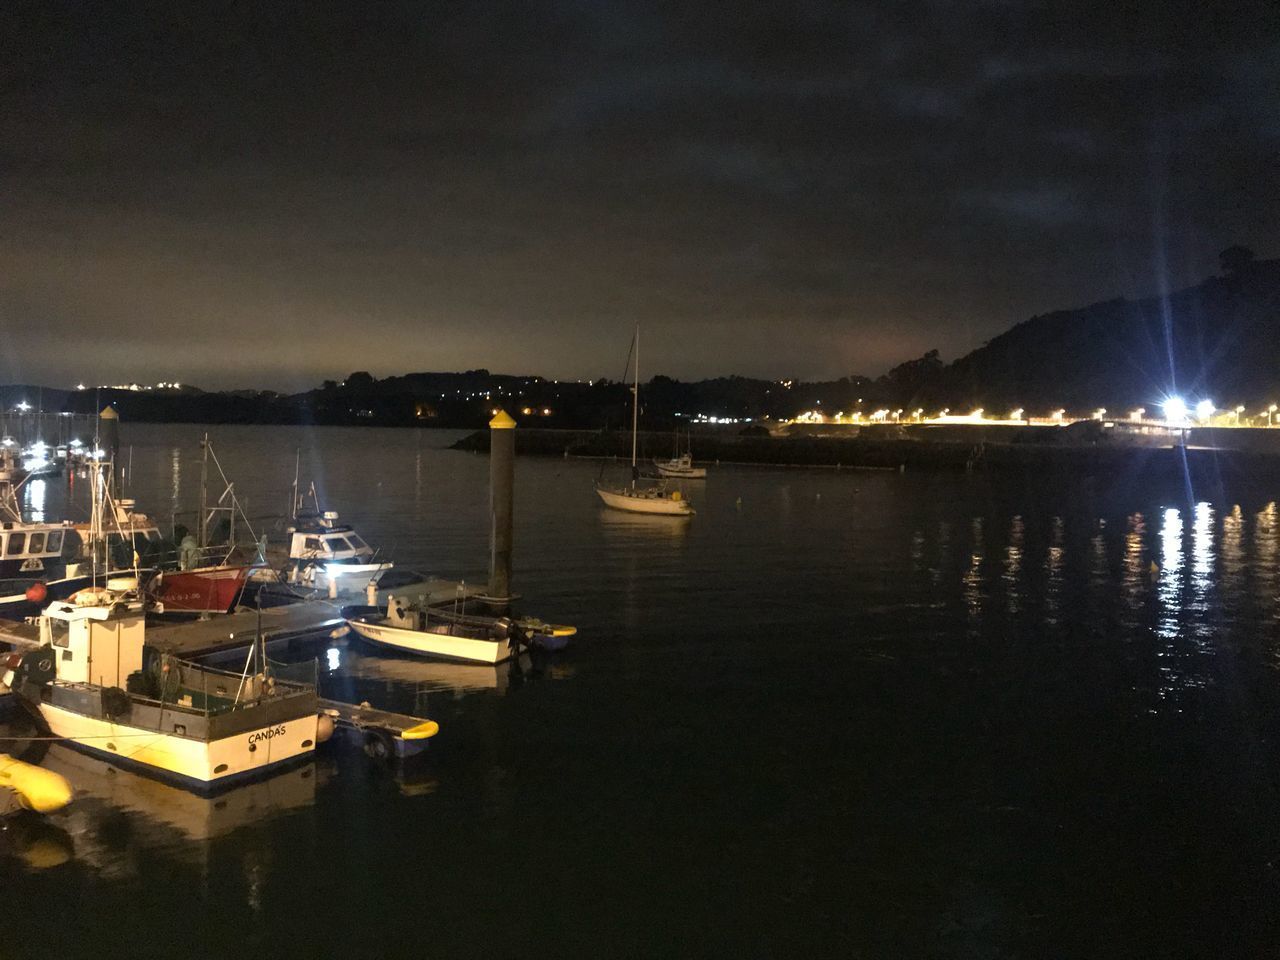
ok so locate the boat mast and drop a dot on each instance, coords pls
(204, 491)
(635, 407)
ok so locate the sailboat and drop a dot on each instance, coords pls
(637, 499)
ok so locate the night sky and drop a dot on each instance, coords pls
(272, 194)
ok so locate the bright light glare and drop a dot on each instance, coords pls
(1204, 409)
(1175, 409)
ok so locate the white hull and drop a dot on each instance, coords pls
(642, 503)
(434, 644)
(204, 763)
(682, 473)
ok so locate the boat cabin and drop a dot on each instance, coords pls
(29, 550)
(94, 644)
(320, 538)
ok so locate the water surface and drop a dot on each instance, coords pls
(837, 713)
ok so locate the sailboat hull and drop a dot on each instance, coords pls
(645, 502)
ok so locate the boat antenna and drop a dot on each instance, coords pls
(294, 505)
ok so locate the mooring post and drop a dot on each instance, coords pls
(502, 482)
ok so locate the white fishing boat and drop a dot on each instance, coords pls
(199, 727)
(432, 632)
(680, 468)
(633, 497)
(324, 552)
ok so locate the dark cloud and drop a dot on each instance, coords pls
(242, 194)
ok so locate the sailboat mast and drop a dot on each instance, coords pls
(635, 407)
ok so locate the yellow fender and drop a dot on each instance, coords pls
(422, 731)
(38, 789)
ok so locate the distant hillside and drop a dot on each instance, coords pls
(1219, 340)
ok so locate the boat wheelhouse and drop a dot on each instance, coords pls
(322, 549)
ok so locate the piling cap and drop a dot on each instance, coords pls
(502, 421)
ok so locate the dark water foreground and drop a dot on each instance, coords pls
(880, 715)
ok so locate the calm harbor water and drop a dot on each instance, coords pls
(837, 714)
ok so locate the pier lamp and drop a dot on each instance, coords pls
(1271, 414)
(1016, 413)
(1204, 409)
(1137, 415)
(1058, 414)
(1175, 410)
(1239, 410)
(1099, 413)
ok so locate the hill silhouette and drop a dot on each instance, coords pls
(1218, 340)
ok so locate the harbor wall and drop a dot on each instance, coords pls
(903, 449)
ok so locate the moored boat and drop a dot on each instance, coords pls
(632, 497)
(680, 468)
(431, 632)
(638, 499)
(202, 728)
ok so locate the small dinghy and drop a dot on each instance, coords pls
(442, 634)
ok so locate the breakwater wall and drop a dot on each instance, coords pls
(867, 451)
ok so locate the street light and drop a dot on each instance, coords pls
(1271, 414)
(1239, 410)
(1136, 415)
(1015, 413)
(1175, 410)
(1204, 409)
(1099, 413)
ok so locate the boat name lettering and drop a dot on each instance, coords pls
(267, 734)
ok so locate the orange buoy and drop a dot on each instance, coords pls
(37, 592)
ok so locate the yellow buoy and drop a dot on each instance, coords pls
(38, 789)
(675, 495)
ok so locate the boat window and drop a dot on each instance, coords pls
(37, 543)
(311, 543)
(17, 543)
(356, 542)
(337, 543)
(59, 633)
(71, 544)
(153, 535)
(55, 541)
